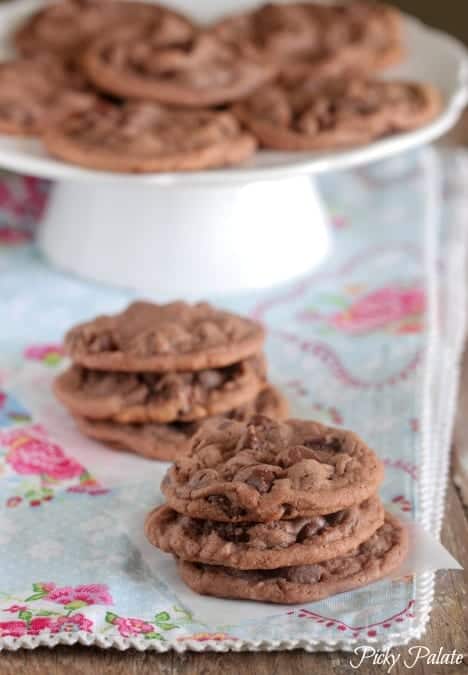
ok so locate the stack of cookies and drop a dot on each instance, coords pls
(147, 378)
(276, 512)
(138, 87)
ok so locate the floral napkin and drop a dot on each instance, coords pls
(368, 341)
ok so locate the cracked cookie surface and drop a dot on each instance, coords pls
(336, 113)
(65, 27)
(263, 470)
(200, 71)
(35, 93)
(164, 338)
(144, 137)
(310, 39)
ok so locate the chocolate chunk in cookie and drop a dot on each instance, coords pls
(337, 113)
(279, 543)
(372, 560)
(160, 397)
(202, 71)
(164, 338)
(65, 27)
(169, 441)
(148, 138)
(262, 470)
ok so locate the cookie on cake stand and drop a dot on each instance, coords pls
(235, 228)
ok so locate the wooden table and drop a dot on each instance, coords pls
(448, 627)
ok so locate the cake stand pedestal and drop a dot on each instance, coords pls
(186, 241)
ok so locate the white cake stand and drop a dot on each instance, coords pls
(211, 232)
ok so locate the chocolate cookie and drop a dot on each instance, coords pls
(279, 543)
(36, 93)
(160, 397)
(375, 558)
(65, 27)
(164, 338)
(336, 113)
(310, 39)
(146, 137)
(169, 441)
(263, 470)
(203, 71)
(355, 37)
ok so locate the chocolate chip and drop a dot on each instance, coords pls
(223, 503)
(303, 574)
(237, 534)
(203, 477)
(250, 439)
(293, 455)
(324, 444)
(338, 517)
(288, 510)
(259, 476)
(312, 528)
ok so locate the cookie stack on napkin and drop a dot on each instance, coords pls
(145, 379)
(276, 512)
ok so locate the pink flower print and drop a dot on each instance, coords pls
(128, 627)
(39, 623)
(13, 501)
(23, 198)
(90, 594)
(90, 487)
(10, 236)
(50, 354)
(35, 197)
(29, 455)
(47, 586)
(379, 309)
(5, 196)
(407, 328)
(14, 609)
(63, 595)
(15, 437)
(338, 221)
(402, 502)
(71, 623)
(3, 399)
(12, 628)
(414, 424)
(205, 637)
